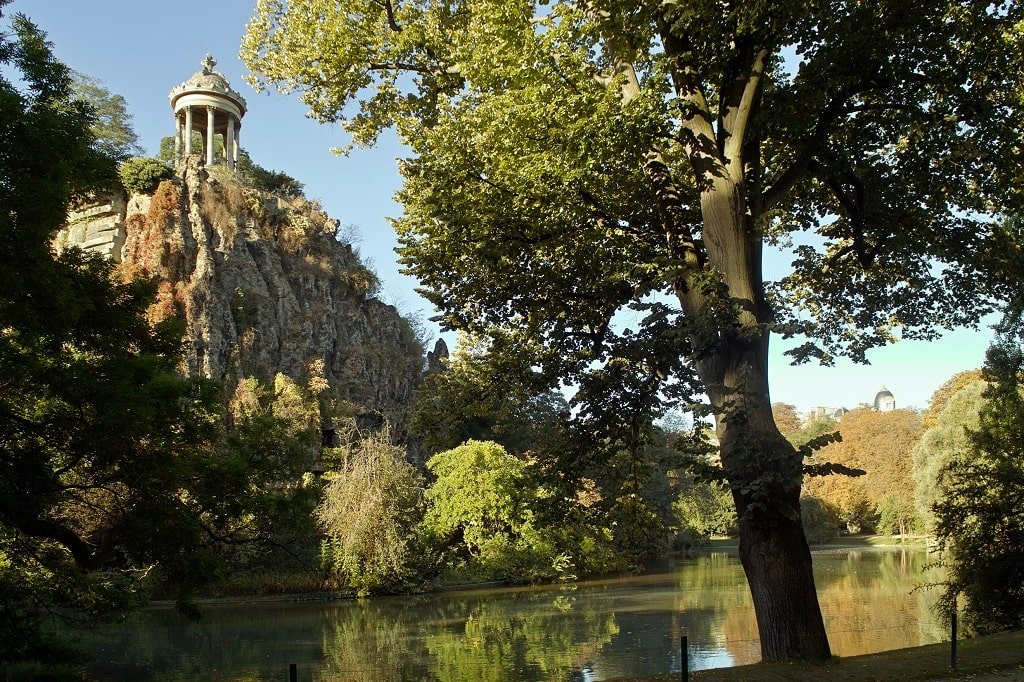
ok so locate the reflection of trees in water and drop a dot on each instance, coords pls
(867, 598)
(714, 590)
(474, 636)
(615, 627)
(370, 640)
(868, 602)
(516, 640)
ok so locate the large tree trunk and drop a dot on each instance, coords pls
(730, 341)
(765, 475)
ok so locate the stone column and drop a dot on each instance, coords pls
(229, 143)
(188, 130)
(210, 115)
(238, 137)
(177, 138)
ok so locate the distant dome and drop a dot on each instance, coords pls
(885, 401)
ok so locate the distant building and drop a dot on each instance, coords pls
(827, 412)
(884, 402)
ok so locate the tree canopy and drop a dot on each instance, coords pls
(944, 442)
(980, 516)
(594, 186)
(880, 444)
(112, 131)
(116, 474)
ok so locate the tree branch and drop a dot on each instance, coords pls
(741, 109)
(819, 135)
(389, 12)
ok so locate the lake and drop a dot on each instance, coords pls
(592, 630)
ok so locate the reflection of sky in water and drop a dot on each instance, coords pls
(587, 632)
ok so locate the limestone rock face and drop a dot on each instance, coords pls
(263, 286)
(97, 227)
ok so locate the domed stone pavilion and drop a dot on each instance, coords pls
(206, 102)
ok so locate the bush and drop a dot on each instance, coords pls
(369, 511)
(703, 510)
(821, 522)
(141, 175)
(253, 175)
(479, 514)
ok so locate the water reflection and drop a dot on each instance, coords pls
(592, 631)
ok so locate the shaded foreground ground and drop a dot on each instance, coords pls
(995, 657)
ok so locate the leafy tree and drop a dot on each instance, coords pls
(943, 443)
(787, 420)
(99, 436)
(369, 512)
(577, 164)
(112, 131)
(704, 509)
(820, 520)
(465, 402)
(880, 444)
(270, 443)
(980, 517)
(944, 393)
(479, 509)
(166, 153)
(117, 474)
(254, 175)
(897, 515)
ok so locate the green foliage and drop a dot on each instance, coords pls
(166, 153)
(260, 473)
(897, 515)
(116, 475)
(464, 402)
(141, 175)
(945, 442)
(479, 509)
(98, 432)
(980, 517)
(112, 132)
(369, 511)
(820, 520)
(253, 175)
(815, 428)
(576, 165)
(703, 510)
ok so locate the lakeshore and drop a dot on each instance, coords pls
(991, 657)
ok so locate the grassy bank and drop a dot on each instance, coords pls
(843, 542)
(994, 657)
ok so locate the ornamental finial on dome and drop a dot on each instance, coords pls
(208, 63)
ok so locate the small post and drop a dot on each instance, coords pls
(684, 648)
(293, 672)
(952, 640)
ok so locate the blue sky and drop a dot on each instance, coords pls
(142, 48)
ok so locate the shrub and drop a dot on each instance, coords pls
(251, 174)
(821, 523)
(479, 512)
(141, 175)
(368, 512)
(703, 510)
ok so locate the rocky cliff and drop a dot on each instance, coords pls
(263, 286)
